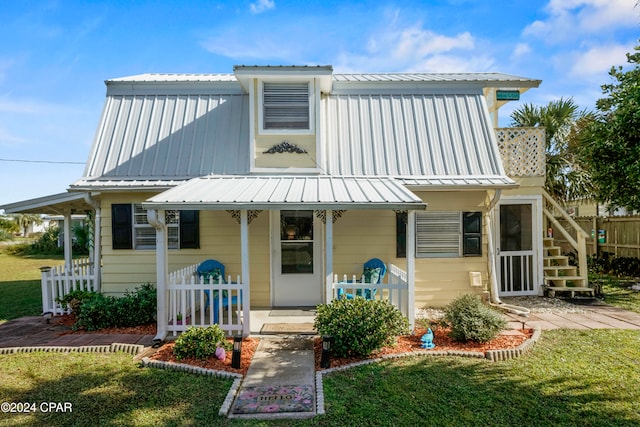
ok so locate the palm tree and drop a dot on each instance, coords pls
(25, 220)
(566, 179)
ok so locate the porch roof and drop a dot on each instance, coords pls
(61, 204)
(222, 192)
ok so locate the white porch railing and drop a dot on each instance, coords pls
(395, 290)
(56, 282)
(193, 302)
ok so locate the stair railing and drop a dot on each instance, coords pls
(579, 244)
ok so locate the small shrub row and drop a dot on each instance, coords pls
(471, 320)
(359, 326)
(133, 309)
(617, 266)
(200, 343)
(74, 300)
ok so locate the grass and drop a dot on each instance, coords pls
(618, 292)
(20, 293)
(106, 389)
(570, 378)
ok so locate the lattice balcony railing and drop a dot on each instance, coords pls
(522, 151)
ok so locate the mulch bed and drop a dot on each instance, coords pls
(404, 344)
(249, 345)
(411, 343)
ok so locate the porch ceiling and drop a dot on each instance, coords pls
(216, 192)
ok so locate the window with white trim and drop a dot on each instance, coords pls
(448, 234)
(144, 235)
(131, 229)
(286, 106)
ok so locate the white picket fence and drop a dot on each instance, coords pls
(58, 281)
(395, 290)
(187, 296)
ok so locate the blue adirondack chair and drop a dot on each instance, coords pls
(373, 272)
(212, 269)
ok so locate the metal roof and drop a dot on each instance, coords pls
(161, 134)
(443, 137)
(146, 137)
(505, 79)
(61, 203)
(285, 192)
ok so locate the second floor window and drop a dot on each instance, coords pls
(285, 106)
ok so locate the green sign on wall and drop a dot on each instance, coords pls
(507, 95)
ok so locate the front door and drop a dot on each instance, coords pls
(297, 258)
(517, 261)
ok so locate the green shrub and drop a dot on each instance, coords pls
(200, 343)
(74, 300)
(471, 320)
(5, 235)
(133, 309)
(359, 326)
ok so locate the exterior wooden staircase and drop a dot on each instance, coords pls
(559, 275)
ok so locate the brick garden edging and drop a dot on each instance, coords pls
(132, 349)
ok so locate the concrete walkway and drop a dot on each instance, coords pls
(34, 331)
(596, 315)
(281, 379)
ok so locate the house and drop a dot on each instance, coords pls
(293, 176)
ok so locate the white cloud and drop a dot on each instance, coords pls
(598, 60)
(569, 19)
(415, 49)
(520, 50)
(262, 6)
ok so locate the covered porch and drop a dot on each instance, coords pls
(245, 197)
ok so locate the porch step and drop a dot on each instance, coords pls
(572, 289)
(560, 270)
(562, 280)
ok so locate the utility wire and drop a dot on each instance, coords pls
(41, 161)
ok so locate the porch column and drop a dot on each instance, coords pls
(411, 266)
(97, 242)
(329, 256)
(68, 241)
(244, 254)
(97, 250)
(157, 220)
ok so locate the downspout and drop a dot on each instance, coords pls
(157, 220)
(97, 241)
(493, 280)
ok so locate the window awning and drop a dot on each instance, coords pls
(226, 192)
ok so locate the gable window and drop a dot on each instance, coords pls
(286, 106)
(131, 229)
(448, 234)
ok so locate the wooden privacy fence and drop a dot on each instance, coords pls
(395, 290)
(193, 301)
(56, 282)
(617, 236)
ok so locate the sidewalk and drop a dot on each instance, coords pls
(280, 382)
(595, 315)
(34, 331)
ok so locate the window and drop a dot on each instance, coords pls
(285, 106)
(448, 234)
(131, 229)
(401, 234)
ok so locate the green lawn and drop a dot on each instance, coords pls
(20, 293)
(570, 378)
(618, 292)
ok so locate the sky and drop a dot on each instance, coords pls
(56, 55)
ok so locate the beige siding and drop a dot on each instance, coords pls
(440, 280)
(219, 239)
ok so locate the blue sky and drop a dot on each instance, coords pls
(55, 56)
